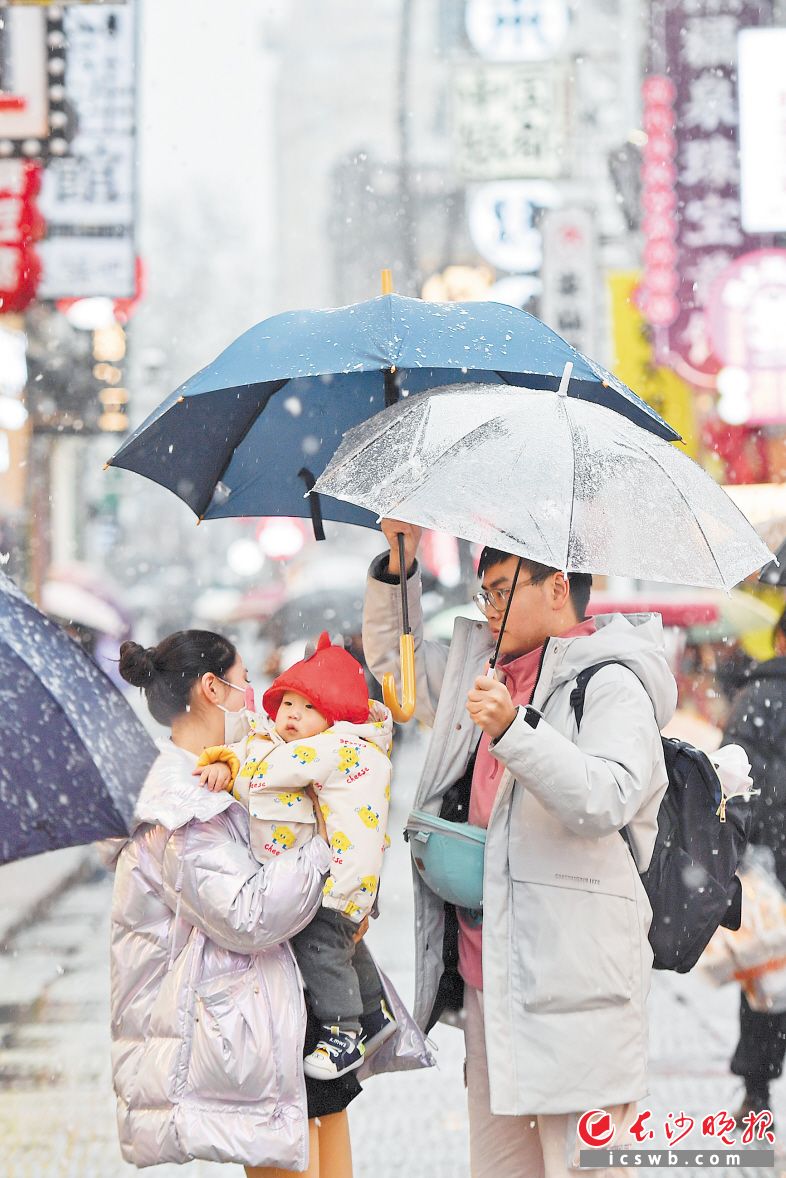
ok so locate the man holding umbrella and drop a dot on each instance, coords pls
(555, 980)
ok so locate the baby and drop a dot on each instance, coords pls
(324, 735)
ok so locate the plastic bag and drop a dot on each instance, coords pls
(755, 955)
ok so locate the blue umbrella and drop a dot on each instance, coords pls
(250, 433)
(74, 754)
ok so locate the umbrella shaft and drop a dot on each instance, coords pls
(402, 576)
(495, 656)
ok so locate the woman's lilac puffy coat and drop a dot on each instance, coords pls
(208, 1015)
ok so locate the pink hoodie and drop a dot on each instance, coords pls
(520, 676)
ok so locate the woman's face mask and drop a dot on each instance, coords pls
(236, 719)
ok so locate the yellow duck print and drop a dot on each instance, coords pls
(326, 811)
(304, 753)
(287, 799)
(283, 837)
(368, 817)
(330, 883)
(340, 843)
(348, 758)
(387, 792)
(350, 908)
(254, 767)
(368, 884)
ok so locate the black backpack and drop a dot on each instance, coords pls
(691, 881)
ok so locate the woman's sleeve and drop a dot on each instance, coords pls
(213, 880)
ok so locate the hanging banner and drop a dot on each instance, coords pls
(694, 45)
(633, 361)
(568, 300)
(509, 121)
(21, 226)
(88, 199)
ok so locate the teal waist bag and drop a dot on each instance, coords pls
(449, 858)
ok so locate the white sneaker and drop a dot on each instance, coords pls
(336, 1053)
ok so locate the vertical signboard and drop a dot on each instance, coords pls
(762, 86)
(695, 45)
(567, 301)
(88, 199)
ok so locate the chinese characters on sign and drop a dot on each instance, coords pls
(517, 30)
(88, 199)
(700, 41)
(762, 86)
(568, 301)
(21, 226)
(509, 121)
(659, 223)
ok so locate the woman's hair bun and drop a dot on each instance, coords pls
(136, 664)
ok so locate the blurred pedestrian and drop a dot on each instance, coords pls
(208, 1017)
(554, 979)
(758, 723)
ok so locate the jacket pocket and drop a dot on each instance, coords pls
(232, 1047)
(574, 949)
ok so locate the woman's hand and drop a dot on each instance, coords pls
(319, 816)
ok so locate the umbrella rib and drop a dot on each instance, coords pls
(682, 495)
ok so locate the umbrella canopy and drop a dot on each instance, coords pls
(336, 611)
(564, 482)
(74, 753)
(248, 434)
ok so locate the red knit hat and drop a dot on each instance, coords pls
(331, 679)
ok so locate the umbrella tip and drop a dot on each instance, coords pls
(106, 466)
(387, 282)
(180, 399)
(199, 521)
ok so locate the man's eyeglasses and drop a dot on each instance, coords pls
(496, 599)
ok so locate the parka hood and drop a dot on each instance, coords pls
(171, 796)
(771, 669)
(635, 641)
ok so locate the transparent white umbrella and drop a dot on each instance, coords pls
(567, 483)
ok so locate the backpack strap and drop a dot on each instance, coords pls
(577, 703)
(580, 690)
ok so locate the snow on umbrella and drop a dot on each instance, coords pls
(74, 753)
(564, 482)
(248, 434)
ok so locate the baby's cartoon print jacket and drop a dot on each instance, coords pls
(349, 767)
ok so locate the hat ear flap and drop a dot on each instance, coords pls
(323, 642)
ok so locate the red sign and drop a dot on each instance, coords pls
(21, 226)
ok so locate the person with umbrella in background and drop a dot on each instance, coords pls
(555, 979)
(757, 722)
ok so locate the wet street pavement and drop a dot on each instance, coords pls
(56, 1102)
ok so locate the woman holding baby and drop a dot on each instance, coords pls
(208, 1014)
